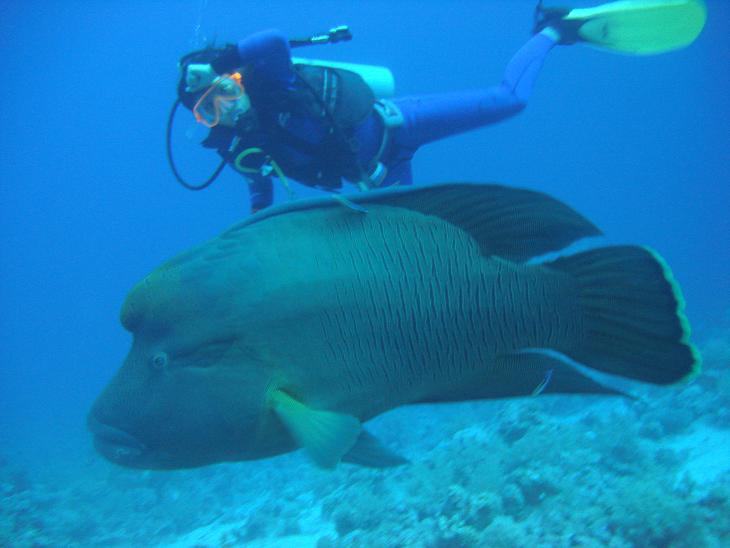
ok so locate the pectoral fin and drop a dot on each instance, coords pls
(325, 435)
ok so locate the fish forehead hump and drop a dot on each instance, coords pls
(207, 281)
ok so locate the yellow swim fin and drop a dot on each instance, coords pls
(641, 27)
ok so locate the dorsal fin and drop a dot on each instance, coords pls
(512, 223)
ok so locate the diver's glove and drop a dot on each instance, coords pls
(555, 18)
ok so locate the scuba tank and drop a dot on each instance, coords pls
(379, 79)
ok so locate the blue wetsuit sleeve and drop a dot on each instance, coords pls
(260, 191)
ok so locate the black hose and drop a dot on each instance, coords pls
(171, 161)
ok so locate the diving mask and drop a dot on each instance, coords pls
(219, 99)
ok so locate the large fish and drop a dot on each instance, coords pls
(302, 322)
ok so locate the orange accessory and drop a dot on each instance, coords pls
(226, 89)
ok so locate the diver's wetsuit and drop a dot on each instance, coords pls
(425, 118)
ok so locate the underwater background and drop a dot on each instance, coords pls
(88, 206)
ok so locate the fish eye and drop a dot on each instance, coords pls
(159, 360)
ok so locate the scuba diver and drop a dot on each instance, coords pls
(319, 125)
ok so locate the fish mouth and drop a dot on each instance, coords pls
(115, 444)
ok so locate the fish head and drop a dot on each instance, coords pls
(192, 390)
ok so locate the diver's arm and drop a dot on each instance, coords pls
(260, 191)
(267, 52)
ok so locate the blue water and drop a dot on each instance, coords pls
(640, 145)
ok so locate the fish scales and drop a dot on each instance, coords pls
(414, 285)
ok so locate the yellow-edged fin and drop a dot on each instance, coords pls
(642, 27)
(325, 435)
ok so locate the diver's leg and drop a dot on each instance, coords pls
(432, 117)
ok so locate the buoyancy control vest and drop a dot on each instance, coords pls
(335, 99)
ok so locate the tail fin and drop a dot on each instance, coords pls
(634, 323)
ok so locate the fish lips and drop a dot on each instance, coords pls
(116, 445)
